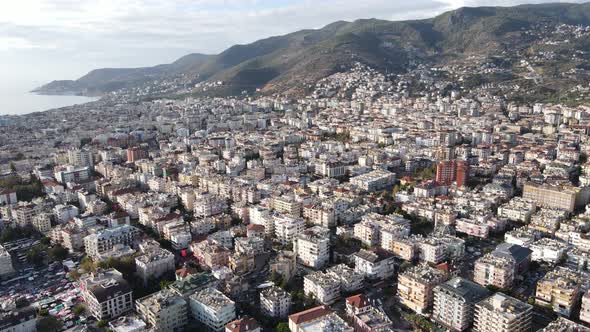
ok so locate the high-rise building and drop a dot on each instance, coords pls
(313, 247)
(136, 153)
(164, 311)
(212, 308)
(107, 294)
(502, 313)
(449, 171)
(454, 303)
(416, 285)
(275, 302)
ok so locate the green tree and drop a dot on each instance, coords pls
(35, 255)
(12, 167)
(165, 283)
(79, 309)
(49, 324)
(101, 323)
(58, 253)
(282, 327)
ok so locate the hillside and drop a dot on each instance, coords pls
(289, 63)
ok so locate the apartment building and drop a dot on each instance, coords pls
(548, 250)
(502, 313)
(164, 311)
(63, 213)
(561, 289)
(105, 240)
(518, 209)
(350, 280)
(454, 303)
(374, 263)
(287, 228)
(18, 320)
(210, 255)
(244, 324)
(80, 158)
(23, 213)
(318, 319)
(373, 181)
(365, 316)
(379, 230)
(564, 325)
(493, 270)
(212, 308)
(567, 198)
(322, 286)
(275, 302)
(42, 223)
(106, 294)
(416, 286)
(154, 263)
(287, 204)
(313, 247)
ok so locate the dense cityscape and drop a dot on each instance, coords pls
(375, 202)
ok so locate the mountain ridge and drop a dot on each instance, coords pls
(288, 63)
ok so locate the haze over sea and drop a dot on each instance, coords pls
(16, 99)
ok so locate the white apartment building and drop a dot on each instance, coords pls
(42, 223)
(154, 263)
(164, 311)
(23, 213)
(212, 308)
(287, 228)
(322, 286)
(104, 240)
(548, 250)
(313, 247)
(261, 216)
(275, 302)
(288, 205)
(375, 229)
(454, 303)
(107, 294)
(375, 180)
(375, 263)
(63, 213)
(517, 209)
(502, 313)
(350, 280)
(80, 158)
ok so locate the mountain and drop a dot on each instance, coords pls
(104, 80)
(289, 63)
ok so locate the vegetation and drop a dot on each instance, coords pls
(25, 190)
(282, 327)
(49, 324)
(15, 233)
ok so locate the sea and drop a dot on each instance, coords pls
(17, 100)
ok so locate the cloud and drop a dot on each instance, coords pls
(101, 33)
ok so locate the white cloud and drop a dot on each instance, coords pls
(101, 33)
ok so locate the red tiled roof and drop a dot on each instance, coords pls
(357, 301)
(242, 325)
(310, 314)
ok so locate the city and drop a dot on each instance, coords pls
(373, 202)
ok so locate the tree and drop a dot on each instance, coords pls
(101, 323)
(58, 253)
(49, 324)
(79, 309)
(282, 327)
(12, 167)
(35, 255)
(165, 283)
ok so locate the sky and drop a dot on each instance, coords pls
(43, 40)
